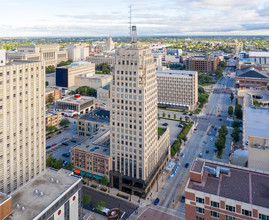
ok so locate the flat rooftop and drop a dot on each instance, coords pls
(197, 166)
(95, 76)
(20, 62)
(28, 196)
(99, 115)
(50, 89)
(75, 64)
(98, 144)
(3, 197)
(241, 184)
(258, 54)
(175, 73)
(81, 100)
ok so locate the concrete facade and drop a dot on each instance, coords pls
(96, 81)
(22, 123)
(100, 58)
(178, 88)
(2, 57)
(77, 52)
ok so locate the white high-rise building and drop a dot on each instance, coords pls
(22, 123)
(109, 45)
(138, 154)
(2, 57)
(77, 52)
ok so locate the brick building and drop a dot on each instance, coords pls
(53, 119)
(56, 93)
(204, 64)
(220, 191)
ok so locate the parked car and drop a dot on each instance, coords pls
(64, 138)
(180, 125)
(48, 137)
(66, 154)
(182, 199)
(216, 129)
(48, 147)
(64, 143)
(165, 124)
(182, 155)
(200, 155)
(54, 144)
(207, 151)
(186, 165)
(220, 119)
(59, 132)
(73, 141)
(156, 201)
(65, 163)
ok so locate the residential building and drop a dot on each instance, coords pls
(258, 153)
(91, 158)
(221, 191)
(2, 57)
(138, 158)
(252, 77)
(53, 194)
(178, 88)
(55, 92)
(100, 58)
(53, 119)
(77, 103)
(204, 64)
(91, 123)
(22, 123)
(65, 76)
(77, 52)
(51, 54)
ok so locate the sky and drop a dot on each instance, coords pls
(21, 18)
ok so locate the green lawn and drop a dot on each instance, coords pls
(161, 131)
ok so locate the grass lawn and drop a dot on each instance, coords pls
(161, 131)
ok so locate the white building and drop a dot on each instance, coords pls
(261, 58)
(100, 58)
(2, 57)
(77, 52)
(22, 123)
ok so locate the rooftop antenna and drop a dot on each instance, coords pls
(130, 21)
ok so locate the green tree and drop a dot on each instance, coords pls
(50, 98)
(50, 69)
(50, 161)
(65, 63)
(238, 111)
(256, 102)
(163, 114)
(86, 199)
(168, 115)
(104, 180)
(232, 97)
(47, 83)
(103, 67)
(180, 119)
(201, 90)
(64, 122)
(235, 134)
(236, 124)
(86, 91)
(175, 116)
(58, 164)
(51, 128)
(99, 205)
(230, 111)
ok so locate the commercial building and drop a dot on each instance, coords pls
(158, 58)
(53, 194)
(178, 88)
(77, 52)
(91, 158)
(55, 92)
(77, 103)
(261, 58)
(204, 64)
(252, 77)
(65, 76)
(51, 54)
(100, 58)
(22, 123)
(258, 153)
(91, 123)
(104, 93)
(173, 51)
(53, 119)
(138, 158)
(221, 191)
(96, 81)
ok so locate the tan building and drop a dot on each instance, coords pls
(53, 119)
(178, 88)
(5, 205)
(96, 81)
(22, 123)
(77, 52)
(65, 76)
(100, 58)
(137, 156)
(204, 64)
(91, 158)
(91, 123)
(51, 54)
(221, 191)
(55, 92)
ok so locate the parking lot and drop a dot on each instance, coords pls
(174, 129)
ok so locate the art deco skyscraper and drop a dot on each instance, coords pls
(22, 123)
(135, 150)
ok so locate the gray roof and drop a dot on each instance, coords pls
(252, 72)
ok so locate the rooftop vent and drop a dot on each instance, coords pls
(216, 171)
(57, 181)
(41, 194)
(18, 206)
(51, 180)
(36, 192)
(23, 208)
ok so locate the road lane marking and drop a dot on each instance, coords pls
(207, 130)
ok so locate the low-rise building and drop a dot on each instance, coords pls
(91, 158)
(55, 92)
(100, 58)
(204, 64)
(5, 205)
(51, 54)
(77, 103)
(174, 51)
(53, 119)
(65, 75)
(96, 81)
(221, 191)
(53, 194)
(91, 123)
(77, 52)
(178, 88)
(104, 93)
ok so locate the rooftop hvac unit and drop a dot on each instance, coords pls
(18, 206)
(224, 170)
(41, 194)
(210, 170)
(51, 180)
(23, 208)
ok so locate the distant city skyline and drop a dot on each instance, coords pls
(154, 18)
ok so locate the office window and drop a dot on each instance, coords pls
(230, 208)
(263, 217)
(228, 217)
(215, 204)
(199, 218)
(200, 200)
(214, 214)
(246, 212)
(200, 210)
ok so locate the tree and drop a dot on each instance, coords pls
(256, 102)
(175, 116)
(86, 199)
(64, 122)
(201, 90)
(86, 91)
(47, 83)
(238, 111)
(104, 180)
(58, 164)
(163, 114)
(65, 63)
(50, 161)
(51, 128)
(50, 69)
(232, 97)
(103, 67)
(180, 119)
(99, 205)
(168, 115)
(50, 98)
(230, 110)
(235, 134)
(236, 124)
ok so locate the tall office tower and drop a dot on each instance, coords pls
(135, 149)
(22, 123)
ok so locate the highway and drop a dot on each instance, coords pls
(217, 105)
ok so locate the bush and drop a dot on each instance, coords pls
(104, 189)
(122, 196)
(230, 111)
(86, 199)
(94, 186)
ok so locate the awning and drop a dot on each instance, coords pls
(88, 174)
(97, 177)
(82, 173)
(77, 171)
(73, 169)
